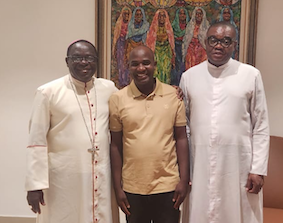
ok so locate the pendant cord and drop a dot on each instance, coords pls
(91, 138)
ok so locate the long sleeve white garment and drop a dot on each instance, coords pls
(229, 138)
(58, 160)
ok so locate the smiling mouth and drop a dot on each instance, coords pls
(141, 76)
(84, 70)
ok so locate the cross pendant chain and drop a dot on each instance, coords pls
(92, 151)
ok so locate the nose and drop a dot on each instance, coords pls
(140, 67)
(84, 60)
(218, 45)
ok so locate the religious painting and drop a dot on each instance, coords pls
(175, 30)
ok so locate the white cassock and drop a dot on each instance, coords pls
(229, 138)
(66, 115)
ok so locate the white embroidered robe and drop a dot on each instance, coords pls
(58, 160)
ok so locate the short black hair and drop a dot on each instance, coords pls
(78, 41)
(222, 23)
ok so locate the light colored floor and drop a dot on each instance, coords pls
(16, 220)
(271, 215)
(32, 220)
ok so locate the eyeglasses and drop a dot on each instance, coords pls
(225, 42)
(78, 59)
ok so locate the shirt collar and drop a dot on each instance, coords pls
(136, 92)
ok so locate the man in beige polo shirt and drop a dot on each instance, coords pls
(149, 146)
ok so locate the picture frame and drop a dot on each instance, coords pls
(103, 29)
(248, 36)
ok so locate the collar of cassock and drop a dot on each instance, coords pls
(79, 84)
(218, 71)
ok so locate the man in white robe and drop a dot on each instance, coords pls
(229, 134)
(68, 177)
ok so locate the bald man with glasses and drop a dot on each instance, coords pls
(229, 134)
(68, 164)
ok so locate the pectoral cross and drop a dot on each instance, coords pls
(92, 151)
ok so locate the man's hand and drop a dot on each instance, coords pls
(35, 198)
(122, 201)
(179, 92)
(254, 183)
(180, 194)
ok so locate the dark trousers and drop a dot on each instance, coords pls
(157, 208)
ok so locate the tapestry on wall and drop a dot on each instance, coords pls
(175, 30)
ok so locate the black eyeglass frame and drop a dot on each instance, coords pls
(79, 59)
(221, 41)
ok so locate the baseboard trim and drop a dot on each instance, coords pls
(17, 220)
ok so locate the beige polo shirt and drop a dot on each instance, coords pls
(149, 152)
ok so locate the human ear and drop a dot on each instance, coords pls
(235, 44)
(66, 59)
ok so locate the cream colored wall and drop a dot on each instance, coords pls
(269, 59)
(34, 38)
